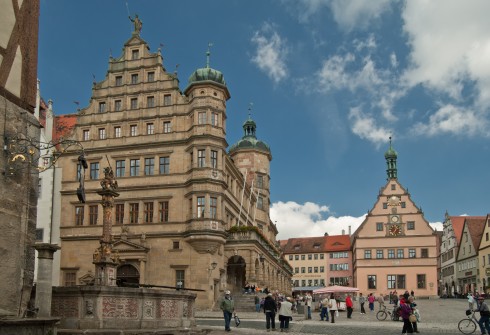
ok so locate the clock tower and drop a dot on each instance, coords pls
(395, 248)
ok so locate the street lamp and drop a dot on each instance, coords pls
(212, 266)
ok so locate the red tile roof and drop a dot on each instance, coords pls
(322, 243)
(337, 243)
(476, 227)
(304, 245)
(458, 223)
(63, 126)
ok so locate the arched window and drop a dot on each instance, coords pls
(128, 274)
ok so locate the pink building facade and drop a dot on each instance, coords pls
(395, 248)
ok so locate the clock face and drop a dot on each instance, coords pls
(394, 219)
(395, 230)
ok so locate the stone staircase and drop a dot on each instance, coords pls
(244, 302)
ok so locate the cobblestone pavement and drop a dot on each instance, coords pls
(438, 316)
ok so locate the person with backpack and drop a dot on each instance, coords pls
(405, 311)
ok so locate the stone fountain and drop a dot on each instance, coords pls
(105, 308)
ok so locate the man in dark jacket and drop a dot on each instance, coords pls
(484, 321)
(270, 309)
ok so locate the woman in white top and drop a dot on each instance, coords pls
(285, 314)
(332, 306)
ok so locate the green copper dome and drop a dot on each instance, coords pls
(391, 153)
(207, 73)
(249, 140)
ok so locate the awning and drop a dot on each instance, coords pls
(336, 289)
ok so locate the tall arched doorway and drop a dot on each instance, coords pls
(236, 273)
(128, 274)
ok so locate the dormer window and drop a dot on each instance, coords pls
(316, 246)
(296, 247)
(118, 80)
(135, 54)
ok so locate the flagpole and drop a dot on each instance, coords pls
(256, 204)
(241, 201)
(250, 199)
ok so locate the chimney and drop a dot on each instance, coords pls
(343, 231)
(326, 234)
(350, 231)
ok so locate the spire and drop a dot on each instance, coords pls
(249, 126)
(391, 157)
(208, 53)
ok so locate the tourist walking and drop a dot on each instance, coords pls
(371, 299)
(308, 303)
(257, 303)
(270, 310)
(471, 300)
(332, 306)
(285, 314)
(405, 311)
(362, 301)
(381, 301)
(413, 306)
(228, 307)
(484, 321)
(349, 305)
(324, 309)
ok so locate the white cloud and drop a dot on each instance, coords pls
(336, 74)
(351, 14)
(364, 126)
(348, 14)
(393, 60)
(369, 43)
(271, 52)
(308, 220)
(450, 119)
(450, 46)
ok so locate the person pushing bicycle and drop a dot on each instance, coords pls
(484, 321)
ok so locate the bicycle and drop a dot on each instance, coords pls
(468, 325)
(383, 314)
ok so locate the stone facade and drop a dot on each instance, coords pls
(104, 307)
(18, 184)
(188, 213)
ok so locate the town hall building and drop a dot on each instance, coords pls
(189, 214)
(395, 248)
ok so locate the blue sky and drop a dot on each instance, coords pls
(330, 81)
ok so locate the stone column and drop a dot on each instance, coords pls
(105, 259)
(44, 277)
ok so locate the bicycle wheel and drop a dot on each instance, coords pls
(467, 326)
(381, 315)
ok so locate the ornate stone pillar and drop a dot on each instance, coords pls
(105, 259)
(44, 287)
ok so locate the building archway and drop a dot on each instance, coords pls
(236, 273)
(127, 273)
